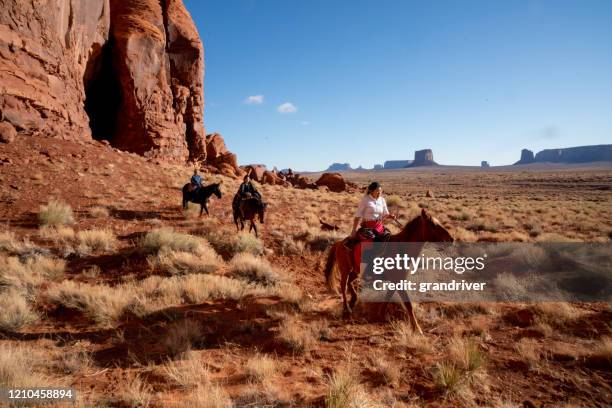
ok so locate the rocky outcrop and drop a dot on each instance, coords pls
(397, 164)
(485, 164)
(126, 71)
(272, 177)
(579, 154)
(378, 167)
(423, 158)
(334, 182)
(339, 167)
(526, 157)
(256, 171)
(220, 158)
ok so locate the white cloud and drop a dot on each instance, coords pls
(287, 107)
(254, 100)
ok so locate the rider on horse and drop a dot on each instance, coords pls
(246, 190)
(196, 181)
(368, 222)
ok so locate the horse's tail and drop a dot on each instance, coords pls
(331, 271)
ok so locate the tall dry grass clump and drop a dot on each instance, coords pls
(296, 337)
(15, 311)
(102, 304)
(254, 269)
(19, 367)
(405, 337)
(95, 240)
(187, 373)
(178, 253)
(261, 367)
(345, 391)
(56, 213)
(27, 276)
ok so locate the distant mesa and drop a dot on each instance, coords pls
(339, 167)
(396, 164)
(378, 167)
(485, 164)
(423, 158)
(526, 157)
(579, 154)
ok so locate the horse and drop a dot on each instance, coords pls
(201, 195)
(423, 228)
(247, 210)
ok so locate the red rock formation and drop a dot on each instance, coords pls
(256, 171)
(271, 177)
(220, 158)
(44, 59)
(334, 181)
(127, 71)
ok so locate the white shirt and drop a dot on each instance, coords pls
(372, 209)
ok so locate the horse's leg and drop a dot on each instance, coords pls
(346, 311)
(352, 279)
(411, 315)
(254, 227)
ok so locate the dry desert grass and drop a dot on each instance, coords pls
(169, 309)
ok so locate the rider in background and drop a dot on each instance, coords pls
(196, 180)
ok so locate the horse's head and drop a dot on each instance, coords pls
(426, 228)
(217, 189)
(261, 211)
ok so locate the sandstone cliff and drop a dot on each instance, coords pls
(126, 71)
(423, 158)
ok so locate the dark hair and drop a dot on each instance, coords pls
(375, 185)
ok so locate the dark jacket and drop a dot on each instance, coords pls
(248, 188)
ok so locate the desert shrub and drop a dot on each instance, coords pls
(297, 338)
(179, 263)
(27, 276)
(254, 269)
(74, 362)
(529, 352)
(342, 385)
(95, 240)
(404, 336)
(448, 377)
(56, 213)
(15, 312)
(290, 246)
(99, 212)
(9, 243)
(102, 304)
(466, 354)
(207, 395)
(246, 242)
(261, 367)
(59, 234)
(393, 200)
(137, 393)
(389, 372)
(181, 336)
(344, 391)
(166, 240)
(188, 373)
(19, 367)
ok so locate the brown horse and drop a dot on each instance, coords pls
(247, 210)
(423, 228)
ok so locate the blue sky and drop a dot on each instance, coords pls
(306, 83)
